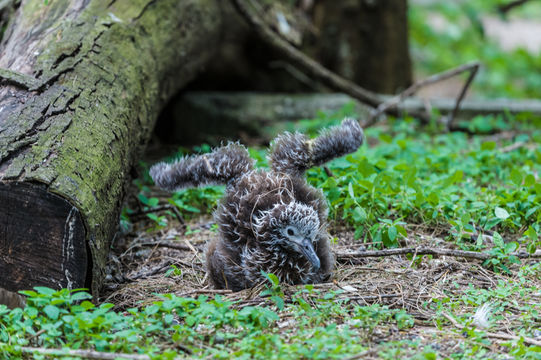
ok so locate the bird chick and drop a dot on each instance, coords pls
(268, 221)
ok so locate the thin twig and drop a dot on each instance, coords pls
(502, 336)
(474, 67)
(37, 334)
(88, 354)
(429, 251)
(206, 291)
(166, 244)
(361, 355)
(146, 274)
(513, 146)
(505, 8)
(328, 171)
(392, 102)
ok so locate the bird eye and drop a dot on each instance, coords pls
(290, 231)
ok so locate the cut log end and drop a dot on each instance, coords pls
(42, 239)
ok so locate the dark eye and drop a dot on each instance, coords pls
(290, 231)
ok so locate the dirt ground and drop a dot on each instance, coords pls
(141, 259)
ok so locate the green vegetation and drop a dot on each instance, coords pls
(201, 327)
(410, 184)
(461, 38)
(452, 182)
(307, 324)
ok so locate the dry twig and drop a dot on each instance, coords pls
(166, 244)
(472, 68)
(513, 146)
(428, 251)
(87, 354)
(505, 8)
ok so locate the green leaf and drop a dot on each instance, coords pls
(81, 296)
(465, 218)
(401, 230)
(32, 312)
(143, 199)
(510, 247)
(498, 240)
(51, 311)
(152, 216)
(385, 138)
(516, 177)
(359, 215)
(350, 191)
(44, 290)
(501, 213)
(456, 177)
(531, 233)
(273, 279)
(391, 233)
(529, 180)
(402, 166)
(87, 305)
(488, 145)
(152, 202)
(278, 301)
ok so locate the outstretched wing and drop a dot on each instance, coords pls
(221, 166)
(295, 153)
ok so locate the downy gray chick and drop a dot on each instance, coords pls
(270, 221)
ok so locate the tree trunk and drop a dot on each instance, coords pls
(365, 41)
(220, 116)
(81, 84)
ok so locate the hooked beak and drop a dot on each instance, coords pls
(307, 250)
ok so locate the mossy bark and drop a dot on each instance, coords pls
(81, 84)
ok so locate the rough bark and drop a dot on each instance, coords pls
(81, 84)
(365, 41)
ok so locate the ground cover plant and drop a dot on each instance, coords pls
(411, 186)
(406, 188)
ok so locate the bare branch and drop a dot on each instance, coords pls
(505, 8)
(87, 354)
(344, 257)
(394, 101)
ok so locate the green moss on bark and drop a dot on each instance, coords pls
(105, 72)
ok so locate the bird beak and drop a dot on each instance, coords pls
(307, 250)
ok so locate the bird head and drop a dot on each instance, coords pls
(292, 227)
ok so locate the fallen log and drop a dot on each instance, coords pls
(219, 115)
(81, 84)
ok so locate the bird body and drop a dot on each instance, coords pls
(268, 221)
(251, 217)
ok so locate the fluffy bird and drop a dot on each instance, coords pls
(268, 221)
